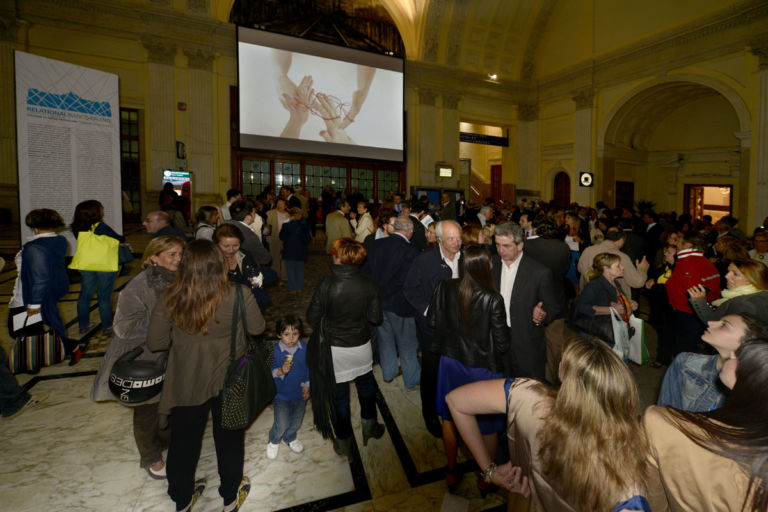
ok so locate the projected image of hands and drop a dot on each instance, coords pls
(303, 100)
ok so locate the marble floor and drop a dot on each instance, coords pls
(68, 453)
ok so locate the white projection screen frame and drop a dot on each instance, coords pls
(273, 102)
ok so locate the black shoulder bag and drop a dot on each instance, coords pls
(249, 385)
(321, 375)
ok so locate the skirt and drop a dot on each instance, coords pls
(452, 374)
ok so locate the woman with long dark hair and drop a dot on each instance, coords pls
(197, 313)
(472, 336)
(715, 460)
(578, 448)
(90, 215)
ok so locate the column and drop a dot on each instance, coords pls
(450, 139)
(428, 136)
(582, 144)
(528, 147)
(759, 209)
(9, 188)
(161, 141)
(201, 121)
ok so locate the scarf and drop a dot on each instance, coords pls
(745, 289)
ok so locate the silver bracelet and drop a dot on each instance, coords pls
(488, 473)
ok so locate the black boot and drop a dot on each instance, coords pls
(372, 429)
(343, 446)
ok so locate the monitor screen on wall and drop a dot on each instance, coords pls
(307, 97)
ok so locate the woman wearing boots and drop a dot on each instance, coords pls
(348, 303)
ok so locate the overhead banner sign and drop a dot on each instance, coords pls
(479, 138)
(68, 138)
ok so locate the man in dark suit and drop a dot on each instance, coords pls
(545, 246)
(528, 289)
(291, 200)
(448, 208)
(635, 246)
(242, 215)
(653, 231)
(416, 212)
(428, 269)
(388, 262)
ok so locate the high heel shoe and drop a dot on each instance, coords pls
(452, 480)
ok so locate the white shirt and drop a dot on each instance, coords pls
(427, 220)
(482, 219)
(508, 275)
(453, 265)
(225, 211)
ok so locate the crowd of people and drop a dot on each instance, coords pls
(500, 314)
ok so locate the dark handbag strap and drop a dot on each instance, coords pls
(238, 311)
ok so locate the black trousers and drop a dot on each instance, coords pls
(187, 428)
(430, 361)
(688, 331)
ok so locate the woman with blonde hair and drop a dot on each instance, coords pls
(746, 292)
(198, 314)
(578, 448)
(602, 293)
(134, 307)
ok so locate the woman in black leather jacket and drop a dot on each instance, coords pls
(348, 302)
(473, 340)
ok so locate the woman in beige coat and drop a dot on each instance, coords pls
(275, 220)
(134, 307)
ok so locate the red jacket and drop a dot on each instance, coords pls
(691, 268)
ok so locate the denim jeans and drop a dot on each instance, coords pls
(366, 395)
(691, 384)
(103, 283)
(288, 416)
(12, 396)
(397, 336)
(295, 272)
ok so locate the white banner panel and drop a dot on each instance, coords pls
(68, 138)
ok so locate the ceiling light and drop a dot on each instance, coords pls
(493, 76)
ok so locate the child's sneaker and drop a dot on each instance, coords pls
(296, 446)
(272, 450)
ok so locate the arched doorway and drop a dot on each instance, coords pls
(669, 134)
(562, 192)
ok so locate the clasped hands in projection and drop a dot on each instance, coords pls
(302, 100)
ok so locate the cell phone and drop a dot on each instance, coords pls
(706, 290)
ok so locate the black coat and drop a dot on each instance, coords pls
(556, 256)
(295, 236)
(480, 342)
(351, 307)
(389, 260)
(419, 238)
(533, 284)
(427, 270)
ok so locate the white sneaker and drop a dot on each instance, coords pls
(296, 446)
(272, 450)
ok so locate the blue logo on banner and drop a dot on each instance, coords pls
(68, 101)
